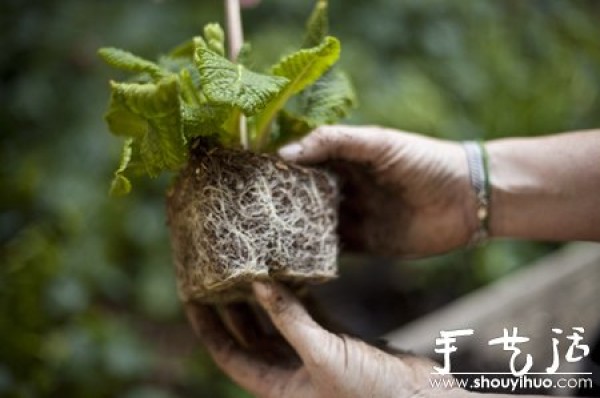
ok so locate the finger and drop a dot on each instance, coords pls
(240, 322)
(358, 144)
(254, 332)
(310, 340)
(249, 372)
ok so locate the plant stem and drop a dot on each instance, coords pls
(235, 37)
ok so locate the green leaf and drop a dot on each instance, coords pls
(290, 127)
(317, 26)
(225, 83)
(215, 38)
(213, 31)
(304, 67)
(122, 121)
(120, 185)
(190, 90)
(301, 68)
(174, 65)
(125, 60)
(183, 50)
(194, 91)
(245, 55)
(329, 99)
(325, 102)
(161, 141)
(204, 120)
(332, 96)
(147, 100)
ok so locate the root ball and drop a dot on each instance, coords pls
(236, 216)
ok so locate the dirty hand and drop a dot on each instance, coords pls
(330, 365)
(402, 193)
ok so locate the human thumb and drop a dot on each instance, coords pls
(318, 146)
(359, 144)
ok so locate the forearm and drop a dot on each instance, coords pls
(546, 188)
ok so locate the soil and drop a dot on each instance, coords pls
(236, 216)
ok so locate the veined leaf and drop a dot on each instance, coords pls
(120, 185)
(190, 90)
(290, 127)
(204, 120)
(213, 34)
(194, 91)
(301, 68)
(317, 26)
(125, 60)
(174, 65)
(226, 83)
(199, 42)
(183, 50)
(304, 67)
(213, 31)
(245, 55)
(329, 99)
(160, 150)
(161, 140)
(325, 102)
(148, 100)
(121, 120)
(215, 38)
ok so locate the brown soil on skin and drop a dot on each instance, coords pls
(370, 217)
(236, 217)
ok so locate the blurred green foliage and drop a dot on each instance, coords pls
(87, 295)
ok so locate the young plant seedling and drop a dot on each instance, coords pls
(235, 215)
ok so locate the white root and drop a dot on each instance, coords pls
(243, 218)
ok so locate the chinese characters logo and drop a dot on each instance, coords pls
(445, 345)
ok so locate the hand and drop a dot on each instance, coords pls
(402, 193)
(330, 365)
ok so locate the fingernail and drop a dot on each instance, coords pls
(263, 290)
(291, 151)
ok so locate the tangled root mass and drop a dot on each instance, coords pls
(236, 217)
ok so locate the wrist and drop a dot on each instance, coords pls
(515, 190)
(464, 196)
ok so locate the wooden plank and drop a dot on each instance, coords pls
(561, 290)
